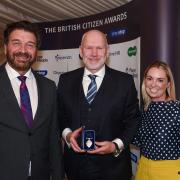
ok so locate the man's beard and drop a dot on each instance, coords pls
(94, 66)
(20, 66)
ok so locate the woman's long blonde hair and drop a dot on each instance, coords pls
(170, 92)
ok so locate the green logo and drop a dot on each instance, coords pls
(132, 51)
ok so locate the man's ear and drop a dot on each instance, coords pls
(107, 52)
(80, 52)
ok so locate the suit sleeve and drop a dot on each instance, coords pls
(131, 114)
(55, 144)
(62, 115)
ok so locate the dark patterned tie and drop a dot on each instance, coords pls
(25, 102)
(92, 89)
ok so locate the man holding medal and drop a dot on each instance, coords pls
(98, 112)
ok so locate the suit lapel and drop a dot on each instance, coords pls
(15, 118)
(104, 92)
(77, 92)
(104, 95)
(38, 118)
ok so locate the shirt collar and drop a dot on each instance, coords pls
(99, 73)
(13, 74)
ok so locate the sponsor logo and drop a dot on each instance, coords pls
(60, 58)
(115, 53)
(132, 51)
(117, 33)
(134, 157)
(131, 71)
(58, 73)
(42, 72)
(41, 59)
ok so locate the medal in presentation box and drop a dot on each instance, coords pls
(88, 140)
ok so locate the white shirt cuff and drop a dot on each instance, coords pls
(119, 143)
(65, 132)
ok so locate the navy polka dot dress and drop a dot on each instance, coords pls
(159, 132)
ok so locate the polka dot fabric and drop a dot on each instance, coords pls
(159, 133)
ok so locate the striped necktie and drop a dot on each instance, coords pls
(92, 89)
(25, 102)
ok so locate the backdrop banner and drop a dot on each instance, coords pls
(59, 51)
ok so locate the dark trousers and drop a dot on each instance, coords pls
(88, 170)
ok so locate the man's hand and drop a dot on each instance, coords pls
(72, 140)
(104, 147)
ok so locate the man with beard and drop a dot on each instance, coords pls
(99, 103)
(29, 144)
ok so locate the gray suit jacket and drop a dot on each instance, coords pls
(19, 144)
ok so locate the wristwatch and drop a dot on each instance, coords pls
(117, 150)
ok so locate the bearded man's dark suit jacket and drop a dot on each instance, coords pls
(19, 144)
(114, 113)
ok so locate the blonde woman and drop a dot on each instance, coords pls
(158, 135)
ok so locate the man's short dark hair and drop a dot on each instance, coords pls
(22, 25)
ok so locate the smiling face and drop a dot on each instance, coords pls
(21, 50)
(94, 50)
(156, 84)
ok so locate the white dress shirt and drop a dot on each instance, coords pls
(85, 82)
(30, 83)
